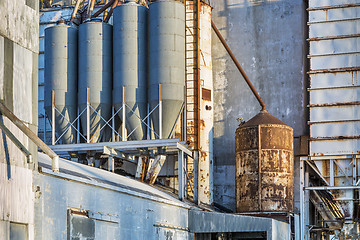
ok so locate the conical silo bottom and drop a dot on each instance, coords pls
(98, 131)
(136, 130)
(170, 114)
(62, 126)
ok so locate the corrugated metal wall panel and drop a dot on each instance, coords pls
(334, 80)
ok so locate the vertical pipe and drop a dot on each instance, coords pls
(88, 115)
(78, 127)
(302, 203)
(160, 111)
(148, 122)
(196, 177)
(181, 174)
(113, 123)
(124, 117)
(53, 117)
(45, 127)
(198, 80)
(331, 172)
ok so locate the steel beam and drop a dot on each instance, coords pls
(118, 154)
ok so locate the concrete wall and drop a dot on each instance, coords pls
(268, 39)
(18, 90)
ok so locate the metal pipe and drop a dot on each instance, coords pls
(198, 80)
(160, 111)
(88, 115)
(91, 8)
(124, 137)
(73, 15)
(53, 118)
(104, 8)
(111, 11)
(252, 88)
(33, 137)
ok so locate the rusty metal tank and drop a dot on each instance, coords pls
(264, 165)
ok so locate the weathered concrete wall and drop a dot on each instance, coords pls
(18, 90)
(268, 39)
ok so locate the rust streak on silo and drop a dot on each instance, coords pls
(264, 165)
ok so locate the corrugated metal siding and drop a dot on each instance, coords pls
(334, 92)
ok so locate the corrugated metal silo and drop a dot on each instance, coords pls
(130, 65)
(264, 165)
(95, 73)
(166, 61)
(61, 62)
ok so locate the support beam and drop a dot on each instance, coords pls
(118, 154)
(155, 168)
(181, 175)
(12, 137)
(139, 168)
(33, 137)
(110, 164)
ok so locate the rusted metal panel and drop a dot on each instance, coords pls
(264, 165)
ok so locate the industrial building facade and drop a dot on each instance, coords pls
(147, 129)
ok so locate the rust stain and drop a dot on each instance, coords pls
(335, 104)
(264, 167)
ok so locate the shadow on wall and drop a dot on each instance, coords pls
(6, 149)
(267, 37)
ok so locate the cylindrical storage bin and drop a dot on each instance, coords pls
(166, 62)
(95, 73)
(264, 165)
(130, 66)
(61, 63)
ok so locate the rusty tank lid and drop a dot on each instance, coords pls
(262, 118)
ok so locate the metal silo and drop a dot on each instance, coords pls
(264, 165)
(130, 65)
(61, 62)
(166, 61)
(95, 74)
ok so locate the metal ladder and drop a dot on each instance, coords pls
(192, 72)
(192, 82)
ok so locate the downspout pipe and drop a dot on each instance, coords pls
(30, 134)
(252, 88)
